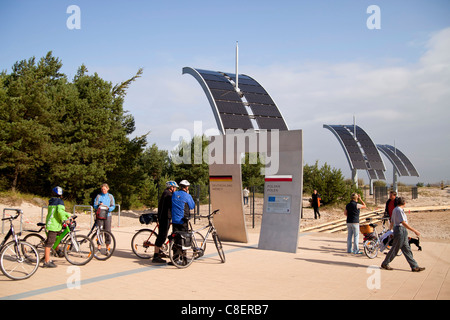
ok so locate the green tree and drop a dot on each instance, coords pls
(132, 185)
(188, 169)
(56, 132)
(155, 162)
(329, 182)
(251, 172)
(26, 117)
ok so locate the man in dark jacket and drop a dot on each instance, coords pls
(316, 203)
(352, 214)
(164, 216)
(391, 204)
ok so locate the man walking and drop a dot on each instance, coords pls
(400, 224)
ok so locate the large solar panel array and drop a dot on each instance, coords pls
(361, 152)
(252, 108)
(401, 163)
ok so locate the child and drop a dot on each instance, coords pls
(56, 216)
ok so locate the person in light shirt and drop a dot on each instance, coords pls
(399, 222)
(105, 199)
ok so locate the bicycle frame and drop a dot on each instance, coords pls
(154, 231)
(60, 237)
(182, 254)
(95, 228)
(11, 231)
(10, 234)
(17, 255)
(210, 228)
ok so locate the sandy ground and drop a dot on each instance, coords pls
(433, 225)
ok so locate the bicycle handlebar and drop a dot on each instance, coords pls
(19, 212)
(211, 214)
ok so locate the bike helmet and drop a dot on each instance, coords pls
(58, 191)
(171, 184)
(184, 183)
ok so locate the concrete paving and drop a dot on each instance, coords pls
(321, 269)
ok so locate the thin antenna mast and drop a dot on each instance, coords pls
(237, 66)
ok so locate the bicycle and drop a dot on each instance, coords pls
(184, 247)
(374, 241)
(145, 239)
(19, 259)
(78, 249)
(106, 242)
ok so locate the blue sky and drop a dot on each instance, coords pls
(317, 59)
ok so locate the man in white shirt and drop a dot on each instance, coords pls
(399, 222)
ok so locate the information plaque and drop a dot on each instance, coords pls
(278, 204)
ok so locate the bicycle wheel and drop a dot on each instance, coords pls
(200, 244)
(80, 251)
(15, 264)
(371, 248)
(388, 248)
(218, 244)
(101, 239)
(38, 242)
(179, 256)
(143, 243)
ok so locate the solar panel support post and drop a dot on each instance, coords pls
(394, 183)
(355, 177)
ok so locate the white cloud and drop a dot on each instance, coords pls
(405, 103)
(408, 104)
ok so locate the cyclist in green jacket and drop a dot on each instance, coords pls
(56, 216)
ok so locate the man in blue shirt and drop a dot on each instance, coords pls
(182, 203)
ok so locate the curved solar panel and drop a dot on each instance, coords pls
(352, 151)
(369, 148)
(361, 152)
(401, 163)
(234, 110)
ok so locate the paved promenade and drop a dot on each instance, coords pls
(321, 269)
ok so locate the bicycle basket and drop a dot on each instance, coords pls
(148, 218)
(101, 213)
(365, 229)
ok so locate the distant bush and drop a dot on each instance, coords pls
(329, 183)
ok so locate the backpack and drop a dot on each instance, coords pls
(148, 218)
